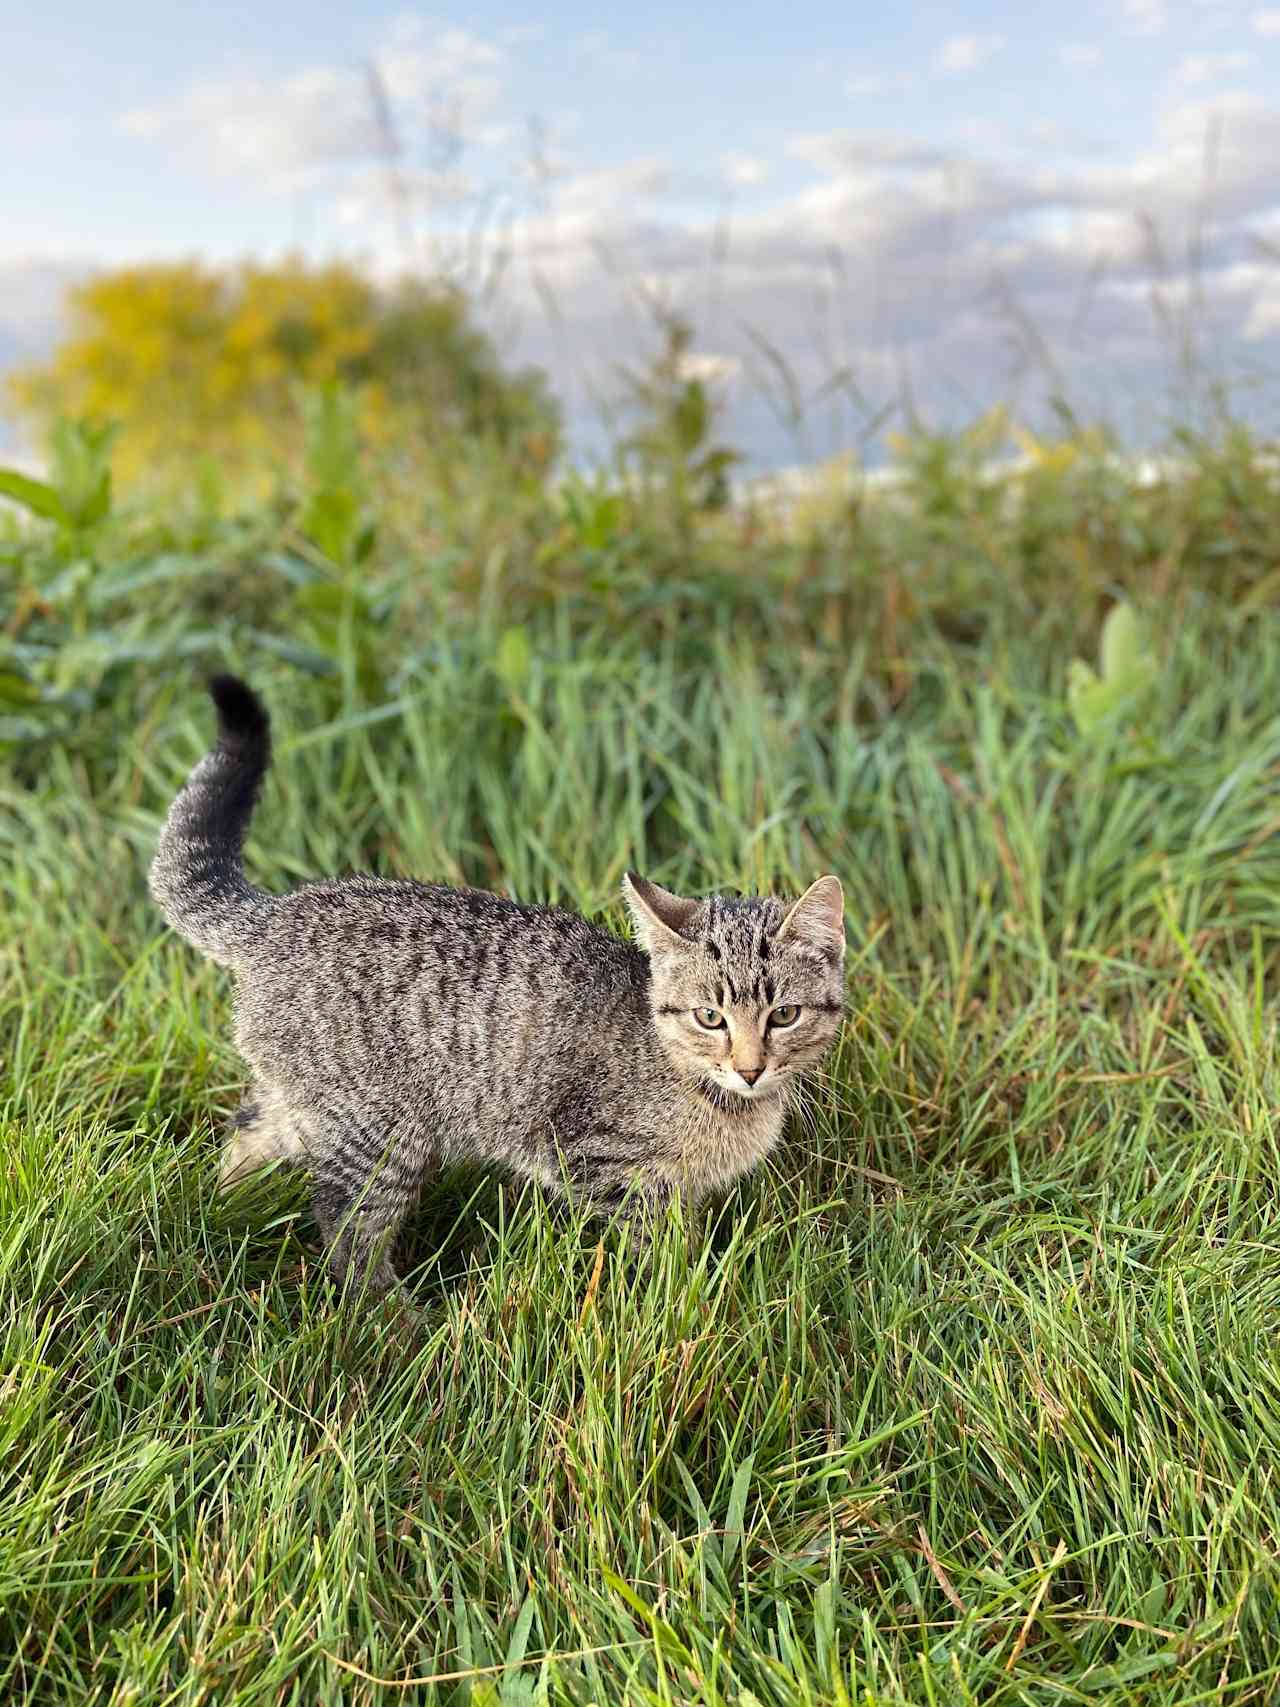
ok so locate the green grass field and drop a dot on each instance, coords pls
(972, 1395)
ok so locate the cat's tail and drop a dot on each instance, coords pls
(197, 875)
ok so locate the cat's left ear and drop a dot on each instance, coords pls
(818, 918)
(658, 915)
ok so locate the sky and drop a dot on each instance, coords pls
(864, 212)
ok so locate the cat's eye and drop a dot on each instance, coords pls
(787, 1014)
(710, 1019)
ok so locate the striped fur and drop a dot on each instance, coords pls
(393, 1025)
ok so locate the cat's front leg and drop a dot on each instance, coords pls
(641, 1206)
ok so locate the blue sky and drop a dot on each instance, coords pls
(953, 202)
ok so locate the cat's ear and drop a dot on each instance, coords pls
(818, 918)
(658, 915)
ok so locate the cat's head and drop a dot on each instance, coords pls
(746, 993)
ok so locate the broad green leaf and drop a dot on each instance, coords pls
(330, 521)
(80, 463)
(1121, 649)
(1107, 1677)
(34, 495)
(1126, 670)
(736, 1516)
(519, 1641)
(332, 440)
(515, 658)
(325, 598)
(1083, 688)
(17, 690)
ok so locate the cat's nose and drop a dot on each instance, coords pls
(750, 1074)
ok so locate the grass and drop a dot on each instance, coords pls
(971, 1395)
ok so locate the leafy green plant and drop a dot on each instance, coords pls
(76, 497)
(673, 447)
(334, 514)
(1126, 669)
(594, 511)
(335, 608)
(50, 653)
(948, 478)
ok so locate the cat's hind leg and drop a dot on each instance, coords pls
(263, 1130)
(359, 1205)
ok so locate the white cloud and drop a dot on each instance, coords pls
(368, 196)
(1200, 68)
(1266, 23)
(421, 78)
(842, 151)
(869, 85)
(744, 171)
(429, 54)
(900, 253)
(1049, 138)
(1223, 148)
(615, 187)
(315, 117)
(32, 290)
(893, 251)
(1146, 17)
(1264, 314)
(708, 367)
(963, 54)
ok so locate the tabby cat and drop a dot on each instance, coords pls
(392, 1026)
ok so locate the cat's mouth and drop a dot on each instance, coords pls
(764, 1086)
(726, 1091)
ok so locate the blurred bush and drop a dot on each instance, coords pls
(671, 453)
(198, 363)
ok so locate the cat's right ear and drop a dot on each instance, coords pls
(818, 918)
(658, 915)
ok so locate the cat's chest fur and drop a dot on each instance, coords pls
(713, 1147)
